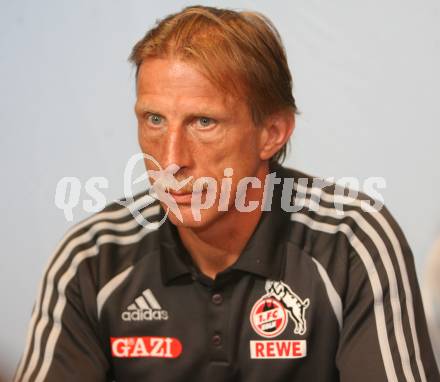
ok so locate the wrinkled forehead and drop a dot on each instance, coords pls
(171, 78)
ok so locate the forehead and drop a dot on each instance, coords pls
(168, 79)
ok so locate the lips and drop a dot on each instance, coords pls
(180, 192)
(181, 197)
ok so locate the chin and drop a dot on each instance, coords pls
(207, 217)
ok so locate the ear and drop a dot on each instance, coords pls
(276, 131)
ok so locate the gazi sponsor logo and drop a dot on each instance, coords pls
(145, 347)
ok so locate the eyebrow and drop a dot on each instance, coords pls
(144, 109)
(200, 110)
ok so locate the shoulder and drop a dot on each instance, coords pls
(326, 212)
(348, 234)
(108, 241)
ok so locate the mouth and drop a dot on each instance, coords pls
(179, 192)
(182, 197)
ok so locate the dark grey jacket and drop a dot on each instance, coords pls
(315, 296)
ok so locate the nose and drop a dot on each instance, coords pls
(175, 148)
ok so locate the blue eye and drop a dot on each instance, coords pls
(205, 121)
(155, 119)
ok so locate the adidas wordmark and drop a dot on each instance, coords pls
(145, 308)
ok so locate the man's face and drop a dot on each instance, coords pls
(184, 119)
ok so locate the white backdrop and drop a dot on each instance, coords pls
(366, 80)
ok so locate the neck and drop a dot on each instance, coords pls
(218, 245)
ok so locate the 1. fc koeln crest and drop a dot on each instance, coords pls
(270, 314)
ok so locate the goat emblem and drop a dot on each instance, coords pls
(291, 302)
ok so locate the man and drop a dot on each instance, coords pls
(431, 295)
(254, 276)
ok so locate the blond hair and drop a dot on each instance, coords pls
(240, 52)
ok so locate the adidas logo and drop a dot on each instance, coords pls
(145, 308)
